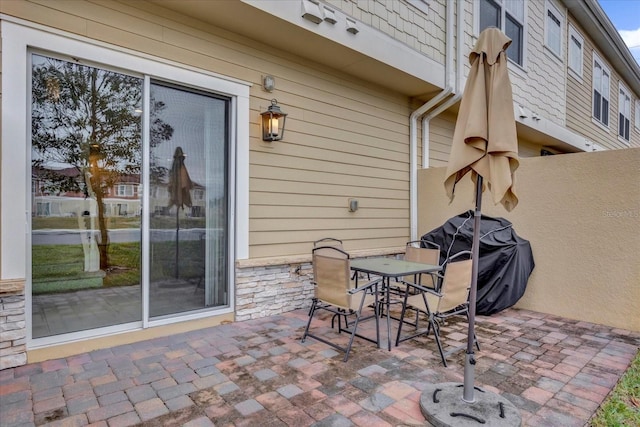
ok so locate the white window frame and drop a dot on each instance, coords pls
(198, 194)
(553, 10)
(124, 190)
(624, 95)
(576, 69)
(605, 70)
(503, 19)
(637, 124)
(421, 5)
(19, 39)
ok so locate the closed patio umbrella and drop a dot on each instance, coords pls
(179, 192)
(484, 143)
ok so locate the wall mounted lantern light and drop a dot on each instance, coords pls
(273, 122)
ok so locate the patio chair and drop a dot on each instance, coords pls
(425, 252)
(414, 251)
(337, 293)
(328, 241)
(333, 242)
(452, 299)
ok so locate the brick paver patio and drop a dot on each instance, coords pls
(257, 373)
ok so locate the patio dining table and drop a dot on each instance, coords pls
(387, 269)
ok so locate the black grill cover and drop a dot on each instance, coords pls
(505, 259)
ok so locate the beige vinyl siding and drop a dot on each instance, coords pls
(345, 138)
(580, 102)
(540, 85)
(579, 91)
(440, 137)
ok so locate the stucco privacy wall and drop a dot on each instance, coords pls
(581, 213)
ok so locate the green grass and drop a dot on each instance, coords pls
(71, 223)
(125, 261)
(622, 406)
(115, 222)
(56, 261)
(60, 268)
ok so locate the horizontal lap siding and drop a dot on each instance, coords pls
(344, 138)
(440, 137)
(339, 145)
(580, 101)
(540, 85)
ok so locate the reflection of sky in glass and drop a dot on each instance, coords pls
(198, 123)
(58, 159)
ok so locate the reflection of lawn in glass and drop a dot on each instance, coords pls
(66, 263)
(166, 222)
(71, 223)
(163, 260)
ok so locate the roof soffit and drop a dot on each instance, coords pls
(370, 54)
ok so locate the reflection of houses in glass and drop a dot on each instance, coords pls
(159, 200)
(46, 201)
(121, 200)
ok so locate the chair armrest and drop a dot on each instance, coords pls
(461, 253)
(422, 288)
(364, 287)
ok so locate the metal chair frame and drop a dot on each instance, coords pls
(436, 315)
(340, 303)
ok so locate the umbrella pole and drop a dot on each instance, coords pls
(177, 239)
(470, 361)
(486, 407)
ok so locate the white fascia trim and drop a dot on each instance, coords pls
(13, 173)
(369, 41)
(551, 129)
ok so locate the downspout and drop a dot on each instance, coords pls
(458, 90)
(433, 102)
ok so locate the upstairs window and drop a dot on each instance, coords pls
(508, 16)
(124, 190)
(624, 113)
(576, 43)
(638, 115)
(553, 29)
(601, 78)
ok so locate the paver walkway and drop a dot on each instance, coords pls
(258, 373)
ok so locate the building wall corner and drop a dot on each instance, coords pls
(13, 329)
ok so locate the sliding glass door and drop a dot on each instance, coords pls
(91, 176)
(188, 201)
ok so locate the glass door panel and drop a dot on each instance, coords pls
(85, 196)
(188, 201)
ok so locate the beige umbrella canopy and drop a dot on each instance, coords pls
(484, 143)
(179, 181)
(485, 140)
(180, 185)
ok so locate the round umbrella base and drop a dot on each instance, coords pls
(442, 406)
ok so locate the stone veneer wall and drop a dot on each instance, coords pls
(13, 332)
(263, 291)
(278, 286)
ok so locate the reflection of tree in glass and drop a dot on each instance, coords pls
(89, 119)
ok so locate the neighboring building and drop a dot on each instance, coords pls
(371, 90)
(122, 199)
